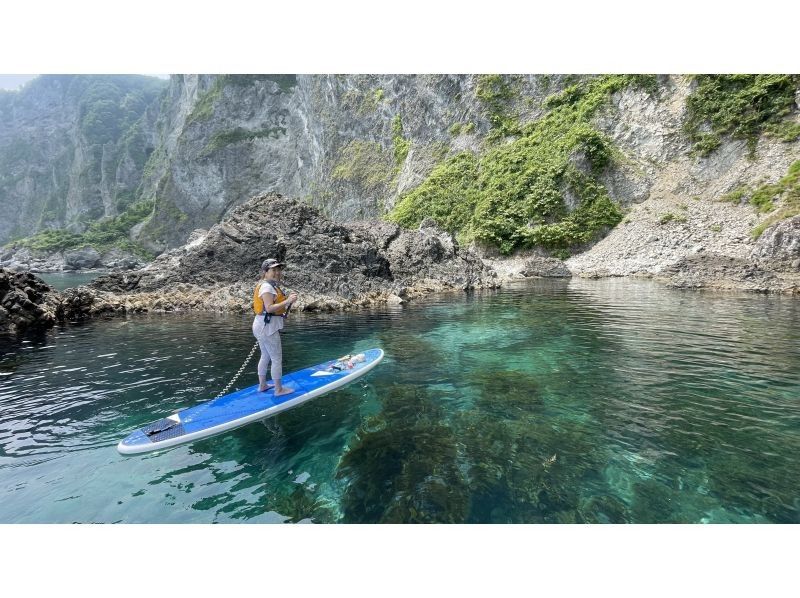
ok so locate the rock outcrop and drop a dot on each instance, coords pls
(24, 259)
(25, 302)
(779, 246)
(331, 266)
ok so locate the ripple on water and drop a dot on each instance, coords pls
(554, 401)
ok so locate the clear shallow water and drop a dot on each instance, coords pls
(66, 280)
(579, 401)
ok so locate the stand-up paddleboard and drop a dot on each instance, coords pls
(248, 405)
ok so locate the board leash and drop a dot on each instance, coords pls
(247, 359)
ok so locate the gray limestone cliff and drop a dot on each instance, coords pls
(72, 150)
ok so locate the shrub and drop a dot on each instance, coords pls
(742, 106)
(787, 190)
(401, 144)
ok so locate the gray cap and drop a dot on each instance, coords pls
(270, 263)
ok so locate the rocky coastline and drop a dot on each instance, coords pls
(343, 266)
(332, 266)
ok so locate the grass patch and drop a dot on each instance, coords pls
(513, 196)
(741, 106)
(457, 129)
(237, 135)
(785, 131)
(787, 190)
(401, 144)
(762, 198)
(670, 217)
(736, 195)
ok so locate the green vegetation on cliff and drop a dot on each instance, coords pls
(516, 194)
(221, 139)
(787, 191)
(102, 235)
(364, 163)
(496, 93)
(110, 105)
(401, 144)
(285, 82)
(742, 106)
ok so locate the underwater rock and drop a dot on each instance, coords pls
(402, 467)
(603, 509)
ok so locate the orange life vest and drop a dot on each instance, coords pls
(258, 302)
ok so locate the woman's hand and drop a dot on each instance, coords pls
(292, 298)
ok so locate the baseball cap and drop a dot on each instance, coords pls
(271, 263)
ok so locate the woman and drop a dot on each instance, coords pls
(271, 306)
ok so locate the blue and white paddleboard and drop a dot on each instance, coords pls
(248, 405)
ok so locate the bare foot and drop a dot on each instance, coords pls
(284, 391)
(267, 387)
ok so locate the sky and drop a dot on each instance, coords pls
(14, 82)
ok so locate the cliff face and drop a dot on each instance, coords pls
(72, 150)
(686, 213)
(523, 153)
(347, 144)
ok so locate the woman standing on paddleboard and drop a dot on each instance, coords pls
(271, 306)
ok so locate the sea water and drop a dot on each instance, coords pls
(66, 280)
(571, 401)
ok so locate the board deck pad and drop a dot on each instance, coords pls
(248, 405)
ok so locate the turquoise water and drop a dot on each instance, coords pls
(550, 401)
(66, 280)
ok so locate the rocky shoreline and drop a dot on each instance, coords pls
(698, 244)
(337, 266)
(332, 266)
(81, 259)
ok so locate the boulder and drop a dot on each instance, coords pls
(779, 245)
(79, 259)
(25, 302)
(545, 267)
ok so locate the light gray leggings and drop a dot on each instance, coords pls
(270, 351)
